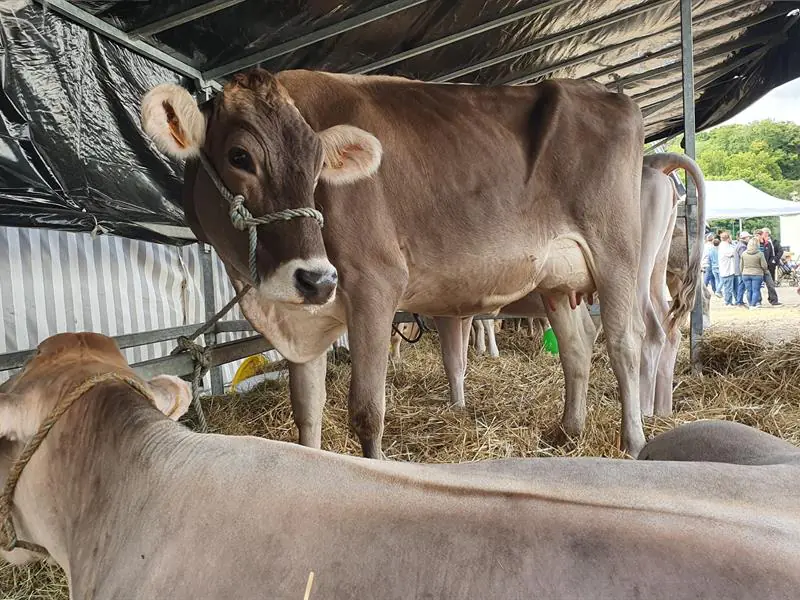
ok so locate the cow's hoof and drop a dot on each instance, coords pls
(372, 449)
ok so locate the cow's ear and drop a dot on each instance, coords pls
(172, 395)
(172, 119)
(350, 154)
(18, 421)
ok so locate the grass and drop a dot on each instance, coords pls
(514, 405)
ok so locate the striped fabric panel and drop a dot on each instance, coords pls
(54, 281)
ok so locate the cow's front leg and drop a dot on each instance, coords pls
(307, 395)
(369, 324)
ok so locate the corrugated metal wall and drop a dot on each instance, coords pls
(53, 282)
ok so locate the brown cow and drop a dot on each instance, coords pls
(410, 172)
(133, 505)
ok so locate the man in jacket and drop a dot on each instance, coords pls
(727, 268)
(772, 253)
(741, 246)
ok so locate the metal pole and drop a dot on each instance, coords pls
(89, 21)
(217, 387)
(183, 17)
(687, 48)
(330, 31)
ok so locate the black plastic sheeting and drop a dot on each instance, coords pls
(72, 150)
(72, 155)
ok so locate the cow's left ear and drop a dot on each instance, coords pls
(17, 421)
(172, 395)
(350, 154)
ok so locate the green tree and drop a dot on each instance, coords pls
(765, 154)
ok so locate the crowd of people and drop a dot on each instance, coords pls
(736, 271)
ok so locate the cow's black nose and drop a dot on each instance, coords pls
(316, 287)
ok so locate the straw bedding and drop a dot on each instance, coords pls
(514, 405)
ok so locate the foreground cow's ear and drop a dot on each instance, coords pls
(172, 395)
(350, 154)
(17, 422)
(172, 119)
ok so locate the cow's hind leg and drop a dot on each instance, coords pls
(480, 341)
(489, 327)
(666, 373)
(307, 395)
(622, 322)
(575, 333)
(453, 342)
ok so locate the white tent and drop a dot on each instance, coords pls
(740, 200)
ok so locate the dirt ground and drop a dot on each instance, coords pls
(774, 323)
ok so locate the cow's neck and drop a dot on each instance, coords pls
(84, 485)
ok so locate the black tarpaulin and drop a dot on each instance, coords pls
(73, 154)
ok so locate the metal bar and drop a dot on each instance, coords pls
(182, 364)
(714, 53)
(457, 37)
(89, 21)
(13, 360)
(553, 39)
(312, 38)
(236, 326)
(687, 64)
(739, 25)
(713, 74)
(708, 54)
(183, 17)
(210, 338)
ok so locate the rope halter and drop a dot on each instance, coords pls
(242, 218)
(8, 535)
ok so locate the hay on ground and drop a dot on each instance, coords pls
(514, 405)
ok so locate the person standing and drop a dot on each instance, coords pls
(727, 268)
(708, 274)
(769, 249)
(741, 246)
(713, 259)
(754, 266)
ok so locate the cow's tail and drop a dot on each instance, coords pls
(668, 162)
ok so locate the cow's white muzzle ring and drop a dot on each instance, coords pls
(242, 218)
(8, 535)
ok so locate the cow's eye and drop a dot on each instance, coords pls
(240, 159)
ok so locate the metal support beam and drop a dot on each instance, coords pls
(666, 51)
(261, 56)
(687, 48)
(554, 39)
(182, 364)
(210, 338)
(457, 37)
(183, 17)
(715, 52)
(89, 21)
(713, 74)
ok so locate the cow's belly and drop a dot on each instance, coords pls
(485, 282)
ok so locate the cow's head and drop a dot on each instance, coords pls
(263, 149)
(61, 363)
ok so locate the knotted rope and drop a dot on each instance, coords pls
(201, 355)
(242, 219)
(8, 535)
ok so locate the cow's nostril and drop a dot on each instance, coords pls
(316, 287)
